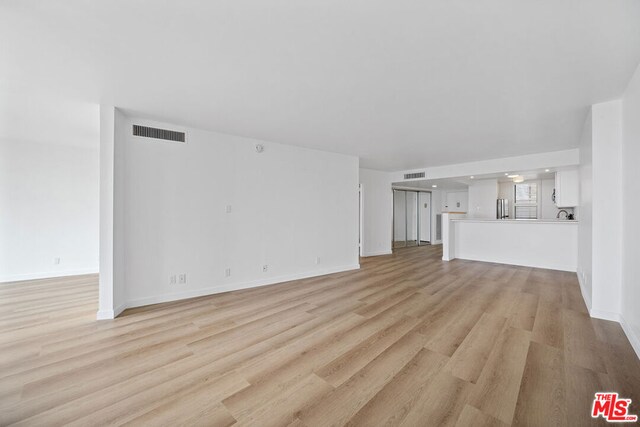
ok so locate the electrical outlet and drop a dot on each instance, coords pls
(228, 209)
(172, 279)
(56, 260)
(265, 268)
(182, 278)
(227, 272)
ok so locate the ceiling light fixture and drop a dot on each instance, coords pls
(518, 179)
(506, 174)
(434, 186)
(546, 170)
(512, 176)
(472, 177)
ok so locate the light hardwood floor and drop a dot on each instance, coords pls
(406, 340)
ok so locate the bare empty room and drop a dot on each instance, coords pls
(244, 213)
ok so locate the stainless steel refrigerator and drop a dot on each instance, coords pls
(502, 210)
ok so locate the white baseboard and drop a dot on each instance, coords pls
(175, 296)
(595, 313)
(46, 275)
(111, 314)
(604, 315)
(105, 315)
(585, 293)
(633, 338)
(378, 253)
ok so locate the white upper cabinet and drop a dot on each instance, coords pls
(567, 188)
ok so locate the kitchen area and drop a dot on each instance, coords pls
(530, 222)
(525, 218)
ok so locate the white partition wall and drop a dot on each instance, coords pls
(377, 212)
(630, 314)
(532, 243)
(222, 214)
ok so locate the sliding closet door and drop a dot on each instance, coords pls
(424, 207)
(412, 218)
(399, 219)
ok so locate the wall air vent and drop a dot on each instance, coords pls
(414, 175)
(167, 135)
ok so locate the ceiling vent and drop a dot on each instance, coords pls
(167, 135)
(414, 175)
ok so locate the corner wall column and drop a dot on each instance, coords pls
(107, 163)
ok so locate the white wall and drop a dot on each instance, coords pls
(49, 209)
(451, 200)
(607, 215)
(112, 298)
(547, 209)
(106, 307)
(377, 212)
(585, 211)
(630, 208)
(482, 199)
(608, 235)
(289, 207)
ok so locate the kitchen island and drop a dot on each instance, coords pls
(540, 243)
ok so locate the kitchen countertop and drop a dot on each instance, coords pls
(519, 221)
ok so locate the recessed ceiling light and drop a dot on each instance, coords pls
(506, 174)
(471, 177)
(518, 179)
(546, 170)
(512, 176)
(434, 186)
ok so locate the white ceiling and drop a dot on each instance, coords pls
(444, 184)
(402, 84)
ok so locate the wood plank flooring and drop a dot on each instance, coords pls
(407, 340)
